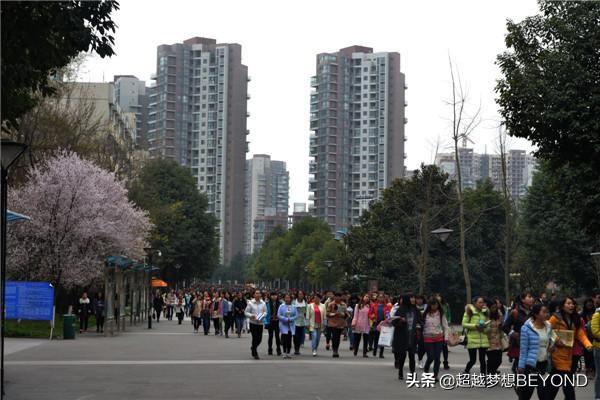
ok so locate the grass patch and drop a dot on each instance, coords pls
(41, 329)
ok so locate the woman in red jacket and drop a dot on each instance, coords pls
(379, 312)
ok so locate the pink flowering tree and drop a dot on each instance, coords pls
(80, 214)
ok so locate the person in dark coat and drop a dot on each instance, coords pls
(406, 320)
(99, 312)
(84, 309)
(158, 304)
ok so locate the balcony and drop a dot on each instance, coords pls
(247, 132)
(405, 121)
(314, 81)
(249, 78)
(248, 114)
(247, 97)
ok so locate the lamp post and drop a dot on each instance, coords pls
(10, 152)
(150, 252)
(177, 267)
(443, 234)
(328, 264)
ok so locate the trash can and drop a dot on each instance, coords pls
(68, 326)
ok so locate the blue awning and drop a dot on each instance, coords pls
(12, 216)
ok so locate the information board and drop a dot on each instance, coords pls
(29, 300)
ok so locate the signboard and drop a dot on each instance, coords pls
(29, 300)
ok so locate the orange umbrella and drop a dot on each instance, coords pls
(159, 283)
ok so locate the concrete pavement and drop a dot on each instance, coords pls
(171, 362)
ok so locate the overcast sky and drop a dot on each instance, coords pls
(280, 40)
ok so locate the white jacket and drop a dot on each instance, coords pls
(254, 309)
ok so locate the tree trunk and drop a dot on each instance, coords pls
(461, 223)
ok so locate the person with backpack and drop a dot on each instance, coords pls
(272, 323)
(513, 323)
(476, 322)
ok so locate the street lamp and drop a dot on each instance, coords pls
(150, 252)
(10, 152)
(442, 233)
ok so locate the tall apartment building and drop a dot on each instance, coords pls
(520, 167)
(130, 95)
(197, 117)
(357, 118)
(267, 197)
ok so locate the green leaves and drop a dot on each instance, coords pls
(184, 232)
(38, 38)
(550, 92)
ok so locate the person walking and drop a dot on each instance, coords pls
(495, 335)
(171, 303)
(84, 309)
(239, 307)
(99, 309)
(272, 323)
(446, 311)
(405, 320)
(180, 309)
(435, 334)
(158, 305)
(256, 311)
(361, 326)
(206, 312)
(477, 324)
(300, 304)
(536, 344)
(287, 315)
(586, 315)
(196, 311)
(326, 330)
(568, 321)
(315, 315)
(217, 314)
(513, 323)
(378, 313)
(226, 312)
(336, 322)
(595, 332)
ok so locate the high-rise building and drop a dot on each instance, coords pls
(520, 167)
(130, 95)
(357, 118)
(197, 117)
(267, 195)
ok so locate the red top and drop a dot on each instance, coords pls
(317, 314)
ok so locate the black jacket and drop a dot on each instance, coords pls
(405, 339)
(239, 307)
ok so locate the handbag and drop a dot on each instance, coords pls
(454, 339)
(463, 339)
(386, 336)
(504, 342)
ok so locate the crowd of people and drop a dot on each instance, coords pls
(538, 336)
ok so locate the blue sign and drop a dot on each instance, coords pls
(29, 300)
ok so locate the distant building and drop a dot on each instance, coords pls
(299, 214)
(357, 118)
(264, 226)
(266, 195)
(130, 95)
(101, 96)
(197, 117)
(474, 167)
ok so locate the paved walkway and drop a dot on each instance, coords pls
(172, 362)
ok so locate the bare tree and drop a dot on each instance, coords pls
(463, 125)
(508, 211)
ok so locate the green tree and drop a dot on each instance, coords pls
(39, 38)
(184, 231)
(392, 243)
(550, 93)
(552, 243)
